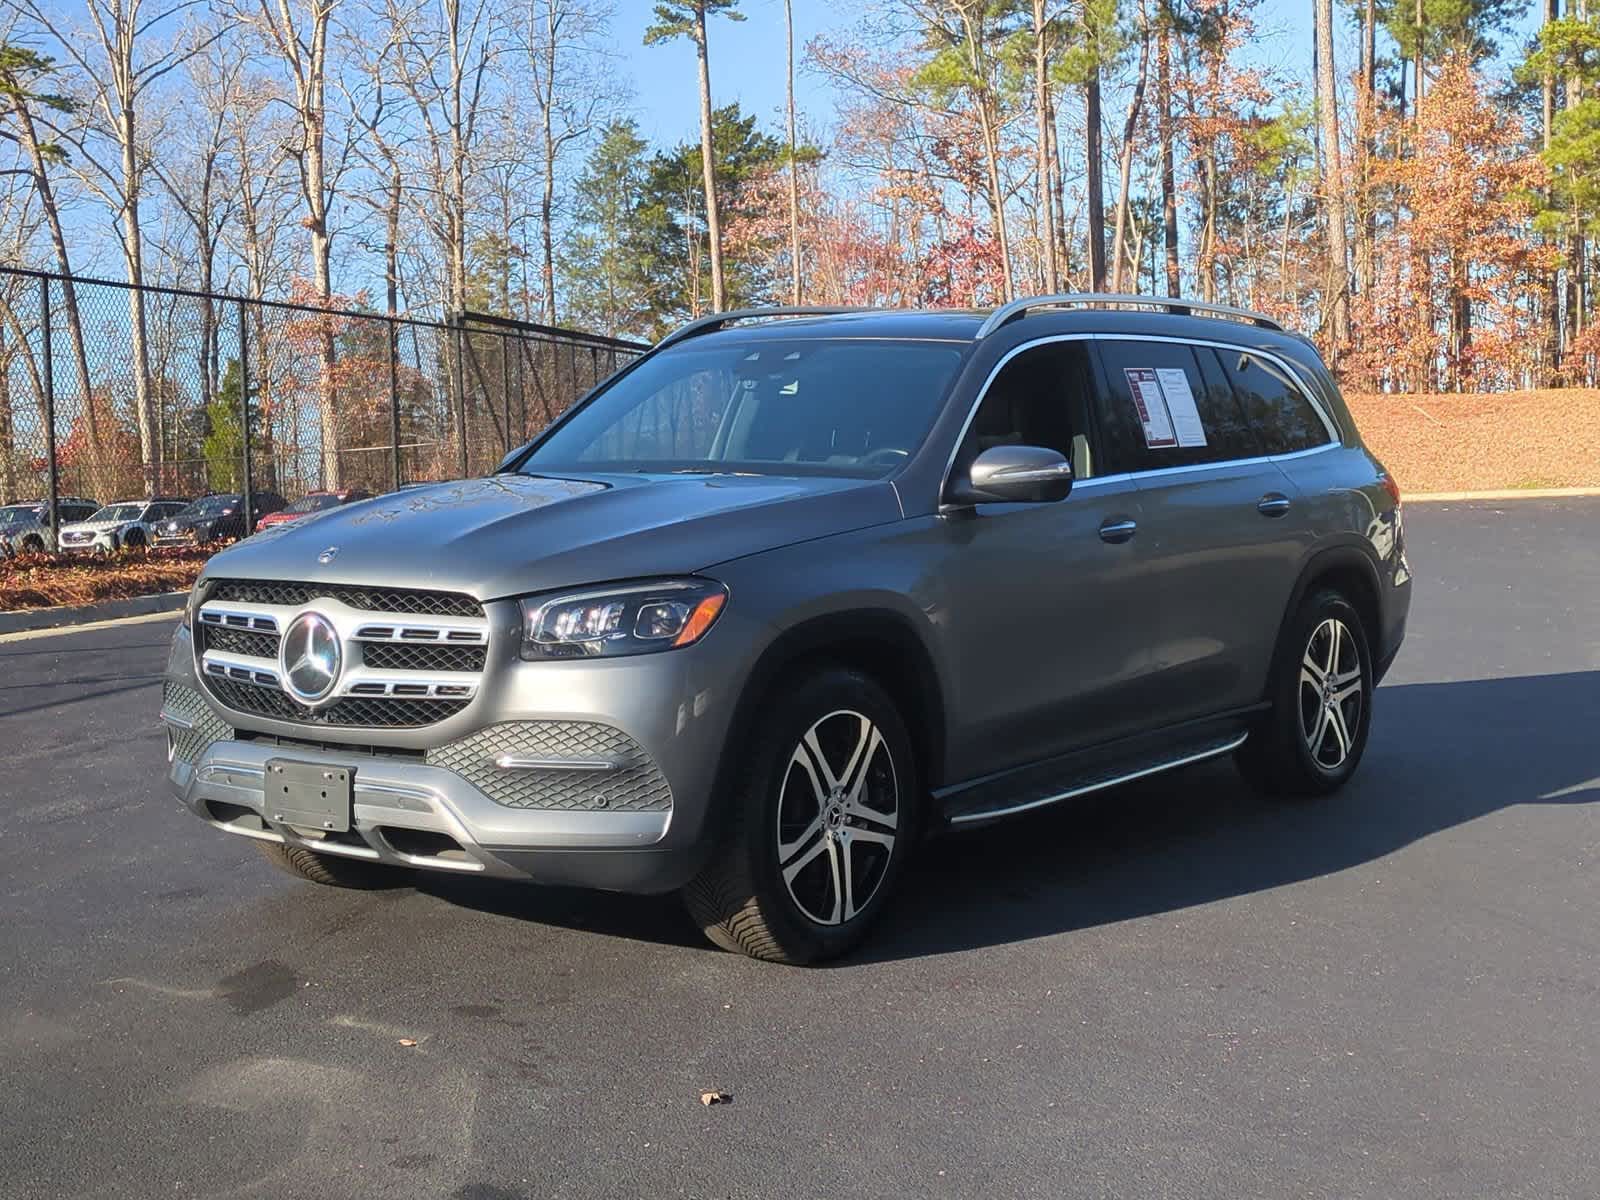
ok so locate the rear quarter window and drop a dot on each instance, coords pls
(1283, 419)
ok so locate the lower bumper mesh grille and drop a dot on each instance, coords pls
(631, 782)
(206, 727)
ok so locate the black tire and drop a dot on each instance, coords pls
(134, 539)
(331, 870)
(741, 899)
(1299, 749)
(33, 544)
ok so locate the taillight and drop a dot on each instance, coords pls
(1390, 486)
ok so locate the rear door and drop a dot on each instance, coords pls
(1220, 524)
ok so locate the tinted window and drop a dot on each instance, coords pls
(315, 502)
(823, 406)
(1039, 398)
(1165, 404)
(1283, 418)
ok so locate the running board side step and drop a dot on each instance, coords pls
(1065, 779)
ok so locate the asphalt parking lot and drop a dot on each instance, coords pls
(1184, 991)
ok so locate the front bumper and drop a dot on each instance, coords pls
(438, 798)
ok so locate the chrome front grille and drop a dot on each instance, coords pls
(402, 667)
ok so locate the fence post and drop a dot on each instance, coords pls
(394, 403)
(246, 489)
(461, 392)
(49, 382)
(505, 389)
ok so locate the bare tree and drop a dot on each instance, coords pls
(21, 73)
(687, 18)
(1337, 303)
(794, 158)
(118, 64)
(445, 51)
(298, 35)
(1130, 126)
(1042, 21)
(561, 44)
(193, 171)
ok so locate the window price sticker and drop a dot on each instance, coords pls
(1166, 407)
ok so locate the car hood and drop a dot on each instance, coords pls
(511, 534)
(94, 526)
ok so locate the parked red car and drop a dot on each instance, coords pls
(312, 502)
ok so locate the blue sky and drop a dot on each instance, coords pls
(747, 59)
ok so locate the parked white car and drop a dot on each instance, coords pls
(25, 528)
(125, 523)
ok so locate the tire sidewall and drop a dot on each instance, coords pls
(814, 698)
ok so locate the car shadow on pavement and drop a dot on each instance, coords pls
(1442, 754)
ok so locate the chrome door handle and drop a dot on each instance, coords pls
(1273, 504)
(1117, 532)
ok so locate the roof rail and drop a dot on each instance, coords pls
(714, 321)
(1171, 304)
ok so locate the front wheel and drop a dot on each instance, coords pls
(819, 825)
(1314, 735)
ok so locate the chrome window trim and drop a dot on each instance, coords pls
(1335, 438)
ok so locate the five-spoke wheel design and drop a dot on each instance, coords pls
(838, 814)
(1330, 693)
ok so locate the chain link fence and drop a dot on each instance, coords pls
(110, 392)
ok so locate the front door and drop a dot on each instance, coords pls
(1049, 619)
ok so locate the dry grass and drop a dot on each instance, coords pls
(46, 580)
(1443, 443)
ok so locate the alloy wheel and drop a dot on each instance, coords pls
(838, 816)
(1331, 694)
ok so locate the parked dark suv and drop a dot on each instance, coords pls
(796, 588)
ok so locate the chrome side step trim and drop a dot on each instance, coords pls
(1101, 784)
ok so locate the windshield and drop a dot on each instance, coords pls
(850, 407)
(208, 506)
(19, 514)
(117, 512)
(313, 503)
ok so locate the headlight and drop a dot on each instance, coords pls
(643, 618)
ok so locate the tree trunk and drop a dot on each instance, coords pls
(1130, 126)
(1169, 177)
(1366, 215)
(719, 291)
(1338, 283)
(1093, 180)
(794, 162)
(1041, 104)
(1552, 296)
(97, 479)
(547, 198)
(138, 330)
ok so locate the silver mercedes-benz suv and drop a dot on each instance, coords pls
(797, 588)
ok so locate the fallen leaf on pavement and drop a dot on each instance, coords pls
(710, 1098)
(408, 1041)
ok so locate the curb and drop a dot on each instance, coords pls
(1504, 494)
(84, 614)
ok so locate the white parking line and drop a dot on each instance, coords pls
(60, 630)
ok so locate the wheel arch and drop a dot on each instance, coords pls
(880, 643)
(1350, 571)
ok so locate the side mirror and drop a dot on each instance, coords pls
(1012, 475)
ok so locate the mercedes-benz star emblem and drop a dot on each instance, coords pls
(310, 657)
(328, 555)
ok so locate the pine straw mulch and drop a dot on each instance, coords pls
(47, 580)
(1484, 442)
